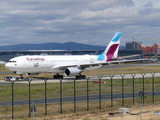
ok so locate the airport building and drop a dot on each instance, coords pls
(148, 50)
(133, 45)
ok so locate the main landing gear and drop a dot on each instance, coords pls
(80, 77)
(58, 76)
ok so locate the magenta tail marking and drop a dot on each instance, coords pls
(111, 51)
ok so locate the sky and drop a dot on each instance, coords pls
(91, 22)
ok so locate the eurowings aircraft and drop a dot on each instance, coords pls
(70, 65)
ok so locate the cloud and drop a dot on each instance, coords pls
(84, 21)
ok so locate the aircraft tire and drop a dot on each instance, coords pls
(77, 77)
(61, 76)
(83, 77)
(55, 76)
(80, 77)
(58, 76)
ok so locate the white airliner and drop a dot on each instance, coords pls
(70, 65)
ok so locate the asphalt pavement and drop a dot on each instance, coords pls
(78, 98)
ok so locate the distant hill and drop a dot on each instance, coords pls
(52, 46)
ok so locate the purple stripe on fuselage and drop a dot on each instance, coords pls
(111, 51)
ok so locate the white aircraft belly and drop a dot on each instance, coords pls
(31, 70)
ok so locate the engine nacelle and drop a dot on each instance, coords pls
(72, 71)
(31, 74)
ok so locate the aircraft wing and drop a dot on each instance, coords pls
(112, 62)
(83, 66)
(129, 56)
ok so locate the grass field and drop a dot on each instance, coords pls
(105, 71)
(53, 90)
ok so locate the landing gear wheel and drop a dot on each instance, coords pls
(83, 77)
(80, 77)
(61, 76)
(55, 76)
(77, 77)
(58, 76)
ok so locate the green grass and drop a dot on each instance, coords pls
(21, 91)
(53, 90)
(3, 68)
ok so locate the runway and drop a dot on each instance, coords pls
(77, 98)
(71, 79)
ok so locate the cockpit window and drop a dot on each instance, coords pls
(12, 61)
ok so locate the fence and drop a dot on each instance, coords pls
(49, 98)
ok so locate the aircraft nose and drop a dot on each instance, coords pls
(9, 66)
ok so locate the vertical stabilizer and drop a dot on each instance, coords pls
(111, 50)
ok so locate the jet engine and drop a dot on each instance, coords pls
(72, 71)
(31, 74)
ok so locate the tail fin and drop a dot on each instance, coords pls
(111, 50)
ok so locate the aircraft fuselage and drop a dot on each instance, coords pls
(48, 63)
